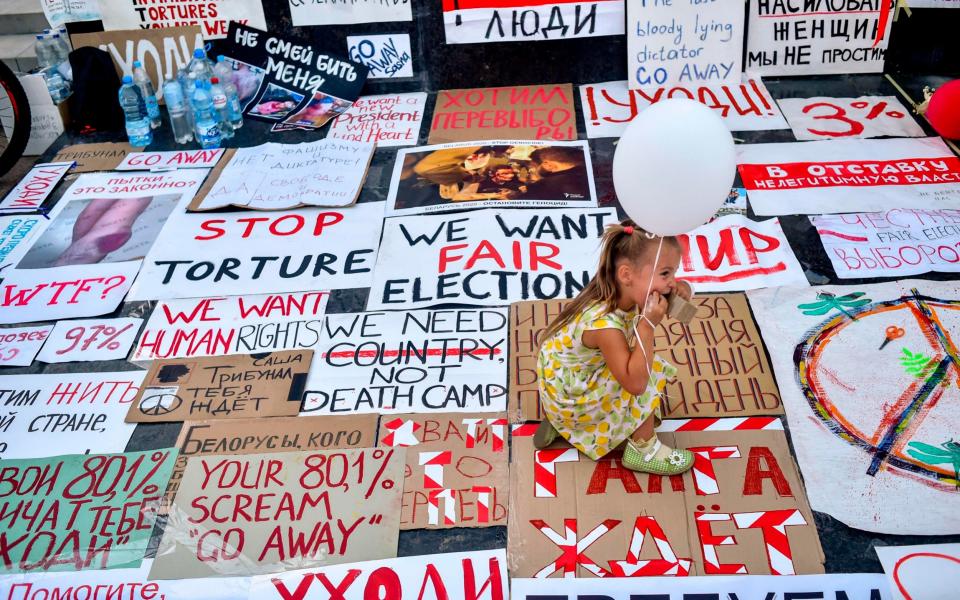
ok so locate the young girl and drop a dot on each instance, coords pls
(599, 384)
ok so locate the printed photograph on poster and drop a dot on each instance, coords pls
(224, 325)
(474, 21)
(894, 243)
(69, 413)
(310, 249)
(530, 112)
(17, 233)
(409, 361)
(351, 517)
(75, 511)
(387, 120)
(783, 41)
(19, 345)
(734, 204)
(322, 12)
(889, 451)
(658, 52)
(608, 107)
(35, 187)
(841, 176)
(388, 56)
(487, 257)
(837, 118)
(172, 159)
(214, 19)
(85, 340)
(916, 572)
(494, 174)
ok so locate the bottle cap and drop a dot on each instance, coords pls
(56, 36)
(221, 58)
(198, 53)
(127, 79)
(214, 80)
(137, 64)
(39, 36)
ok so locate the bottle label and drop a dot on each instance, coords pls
(153, 109)
(208, 132)
(219, 101)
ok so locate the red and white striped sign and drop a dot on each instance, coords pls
(449, 507)
(433, 463)
(709, 542)
(572, 548)
(634, 566)
(704, 476)
(497, 428)
(727, 424)
(402, 433)
(545, 469)
(773, 524)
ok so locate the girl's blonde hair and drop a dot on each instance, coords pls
(623, 241)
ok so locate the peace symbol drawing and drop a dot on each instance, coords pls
(158, 401)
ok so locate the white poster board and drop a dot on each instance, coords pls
(386, 120)
(19, 345)
(823, 118)
(59, 12)
(16, 234)
(35, 187)
(46, 124)
(170, 159)
(214, 18)
(331, 12)
(923, 572)
(388, 56)
(473, 21)
(90, 339)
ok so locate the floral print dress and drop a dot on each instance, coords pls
(579, 394)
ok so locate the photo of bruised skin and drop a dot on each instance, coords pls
(102, 227)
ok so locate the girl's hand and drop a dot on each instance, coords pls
(684, 289)
(655, 308)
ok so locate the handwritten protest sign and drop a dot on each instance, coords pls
(19, 345)
(457, 576)
(722, 369)
(387, 120)
(104, 156)
(90, 339)
(331, 12)
(848, 175)
(894, 243)
(456, 472)
(488, 257)
(530, 112)
(409, 361)
(16, 234)
(787, 37)
(748, 106)
(59, 12)
(98, 510)
(46, 122)
(275, 176)
(309, 249)
(224, 325)
(741, 510)
(227, 387)
(864, 117)
(252, 515)
(495, 174)
(927, 571)
(471, 21)
(34, 188)
(388, 56)
(69, 413)
(213, 17)
(688, 43)
(172, 159)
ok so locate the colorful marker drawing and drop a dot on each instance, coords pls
(827, 302)
(917, 364)
(948, 453)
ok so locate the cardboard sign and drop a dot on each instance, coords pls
(104, 156)
(410, 361)
(325, 12)
(34, 188)
(685, 44)
(213, 20)
(846, 585)
(894, 243)
(487, 257)
(59, 12)
(529, 112)
(309, 249)
(46, 122)
(784, 38)
(91, 339)
(19, 345)
(927, 571)
(387, 56)
(227, 387)
(478, 575)
(889, 450)
(740, 510)
(69, 413)
(16, 234)
(295, 85)
(608, 107)
(172, 159)
(275, 176)
(387, 120)
(848, 175)
(833, 118)
(284, 434)
(456, 472)
(471, 21)
(498, 174)
(162, 52)
(722, 366)
(305, 509)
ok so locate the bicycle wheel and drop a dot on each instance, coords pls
(14, 119)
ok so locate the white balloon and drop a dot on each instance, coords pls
(674, 166)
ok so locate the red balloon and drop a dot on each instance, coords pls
(943, 111)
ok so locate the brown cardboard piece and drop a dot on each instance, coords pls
(475, 460)
(604, 502)
(526, 112)
(722, 365)
(104, 156)
(269, 384)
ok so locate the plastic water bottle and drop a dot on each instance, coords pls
(206, 128)
(219, 98)
(61, 57)
(223, 70)
(200, 66)
(177, 109)
(47, 57)
(143, 82)
(135, 113)
(234, 110)
(45, 53)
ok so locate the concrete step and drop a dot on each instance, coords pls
(21, 16)
(17, 51)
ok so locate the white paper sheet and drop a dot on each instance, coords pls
(19, 345)
(823, 118)
(90, 339)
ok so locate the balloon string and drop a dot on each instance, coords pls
(643, 310)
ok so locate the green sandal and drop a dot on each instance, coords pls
(676, 462)
(545, 435)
